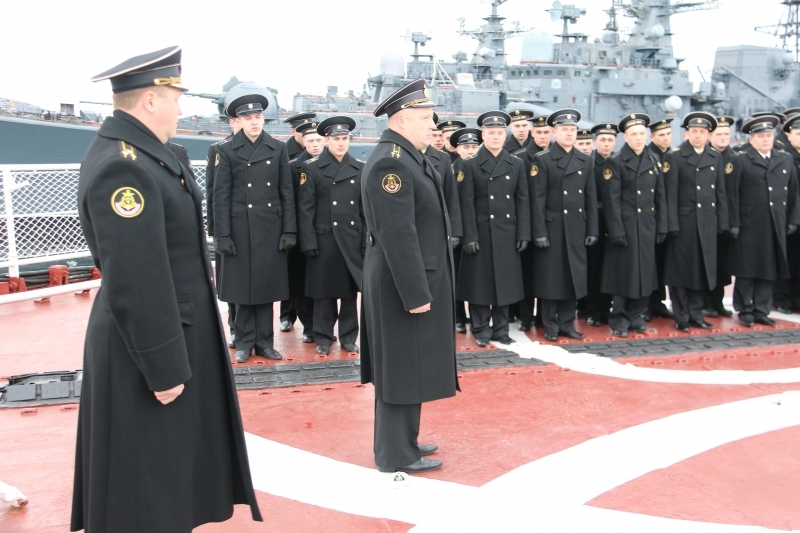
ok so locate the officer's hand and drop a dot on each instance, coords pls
(224, 245)
(315, 253)
(661, 237)
(619, 242)
(522, 246)
(674, 233)
(471, 248)
(288, 240)
(542, 242)
(591, 241)
(168, 396)
(424, 309)
(455, 241)
(734, 233)
(792, 229)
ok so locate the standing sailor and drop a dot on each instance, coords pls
(598, 304)
(493, 189)
(520, 127)
(295, 143)
(255, 225)
(407, 335)
(447, 128)
(443, 164)
(763, 199)
(697, 208)
(211, 157)
(155, 355)
(660, 145)
(635, 208)
(786, 292)
(564, 213)
(331, 222)
(584, 142)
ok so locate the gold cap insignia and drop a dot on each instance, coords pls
(666, 166)
(338, 126)
(216, 160)
(127, 202)
(460, 176)
(516, 112)
(494, 119)
(633, 115)
(249, 106)
(449, 122)
(391, 183)
(607, 173)
(608, 126)
(313, 125)
(303, 178)
(534, 170)
(425, 92)
(728, 168)
(569, 117)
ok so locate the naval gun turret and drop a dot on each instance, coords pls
(235, 88)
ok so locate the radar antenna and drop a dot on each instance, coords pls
(491, 36)
(788, 29)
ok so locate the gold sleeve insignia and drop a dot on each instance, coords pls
(666, 166)
(534, 170)
(607, 173)
(460, 176)
(127, 202)
(391, 183)
(303, 178)
(216, 160)
(127, 151)
(728, 168)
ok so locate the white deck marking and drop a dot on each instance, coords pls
(605, 366)
(545, 495)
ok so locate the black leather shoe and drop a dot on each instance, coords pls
(308, 338)
(232, 342)
(621, 333)
(503, 339)
(723, 312)
(286, 326)
(682, 326)
(461, 328)
(702, 324)
(242, 356)
(746, 322)
(481, 342)
(784, 310)
(713, 313)
(423, 465)
(350, 347)
(427, 449)
(647, 316)
(523, 327)
(269, 353)
(323, 350)
(552, 337)
(765, 320)
(512, 319)
(572, 335)
(639, 329)
(592, 321)
(663, 313)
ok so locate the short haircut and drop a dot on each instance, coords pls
(127, 100)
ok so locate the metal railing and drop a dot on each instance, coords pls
(39, 214)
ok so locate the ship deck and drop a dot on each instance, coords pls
(663, 431)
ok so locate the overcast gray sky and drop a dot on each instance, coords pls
(51, 48)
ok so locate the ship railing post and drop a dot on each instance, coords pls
(9, 186)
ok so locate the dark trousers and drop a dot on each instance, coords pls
(396, 433)
(786, 293)
(660, 294)
(714, 296)
(480, 320)
(301, 307)
(232, 318)
(557, 315)
(687, 304)
(627, 312)
(253, 327)
(526, 308)
(752, 297)
(325, 316)
(461, 308)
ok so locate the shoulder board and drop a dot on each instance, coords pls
(519, 151)
(292, 160)
(470, 157)
(713, 149)
(515, 156)
(307, 161)
(675, 150)
(543, 152)
(396, 151)
(360, 161)
(127, 151)
(442, 151)
(176, 144)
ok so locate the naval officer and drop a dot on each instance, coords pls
(155, 352)
(786, 292)
(255, 226)
(331, 224)
(520, 128)
(442, 162)
(295, 143)
(407, 333)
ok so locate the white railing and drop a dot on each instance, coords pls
(39, 214)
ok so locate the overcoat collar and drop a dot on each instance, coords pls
(703, 159)
(488, 164)
(598, 159)
(571, 161)
(407, 149)
(758, 159)
(633, 162)
(338, 171)
(263, 148)
(124, 127)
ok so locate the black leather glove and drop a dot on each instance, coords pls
(591, 241)
(471, 248)
(315, 253)
(791, 229)
(661, 237)
(288, 240)
(522, 246)
(619, 242)
(541, 242)
(224, 245)
(734, 233)
(455, 241)
(674, 233)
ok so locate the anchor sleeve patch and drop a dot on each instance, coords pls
(391, 183)
(666, 166)
(728, 168)
(127, 202)
(460, 176)
(216, 160)
(534, 170)
(303, 178)
(607, 173)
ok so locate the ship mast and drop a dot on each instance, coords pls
(491, 38)
(788, 30)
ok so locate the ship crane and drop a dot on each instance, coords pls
(790, 28)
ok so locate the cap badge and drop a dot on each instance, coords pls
(494, 119)
(569, 117)
(249, 106)
(449, 122)
(608, 126)
(425, 92)
(391, 183)
(127, 202)
(516, 112)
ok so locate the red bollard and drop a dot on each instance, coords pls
(59, 275)
(5, 288)
(17, 285)
(95, 273)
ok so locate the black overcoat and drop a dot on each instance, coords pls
(293, 148)
(410, 358)
(512, 145)
(564, 209)
(254, 204)
(697, 208)
(635, 207)
(296, 259)
(444, 166)
(762, 196)
(793, 241)
(140, 465)
(495, 211)
(331, 221)
(526, 257)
